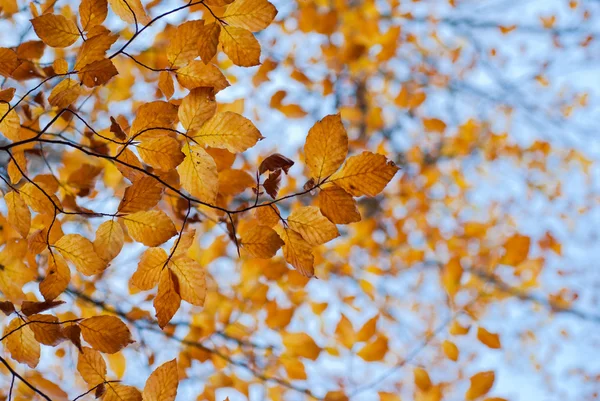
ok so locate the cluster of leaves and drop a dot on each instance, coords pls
(125, 169)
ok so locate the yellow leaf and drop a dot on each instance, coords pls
(315, 228)
(129, 165)
(162, 383)
(97, 73)
(326, 147)
(456, 329)
(294, 368)
(451, 350)
(208, 41)
(109, 240)
(92, 12)
(253, 15)
(297, 251)
(148, 271)
(481, 384)
(55, 30)
(261, 242)
(120, 392)
(196, 108)
(422, 380)
(151, 228)
(365, 174)
(80, 251)
(94, 49)
(368, 330)
(163, 153)
(191, 277)
(8, 62)
(301, 344)
(11, 124)
(91, 367)
(451, 276)
(57, 278)
(165, 84)
(229, 131)
(106, 334)
(183, 46)
(46, 329)
(144, 194)
(39, 198)
(335, 396)
(434, 125)
(19, 215)
(516, 250)
(240, 45)
(150, 117)
(492, 340)
(197, 74)
(267, 215)
(22, 344)
(60, 66)
(233, 181)
(130, 11)
(374, 350)
(167, 300)
(345, 332)
(338, 205)
(198, 174)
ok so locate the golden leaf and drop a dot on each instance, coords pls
(301, 344)
(8, 62)
(144, 194)
(57, 278)
(233, 181)
(55, 30)
(516, 250)
(451, 350)
(162, 383)
(46, 329)
(253, 15)
(94, 49)
(208, 41)
(481, 384)
(21, 344)
(374, 350)
(315, 228)
(165, 84)
(451, 276)
(109, 240)
(91, 366)
(19, 215)
(120, 392)
(267, 215)
(191, 277)
(294, 368)
(65, 93)
(106, 334)
(148, 271)
(163, 152)
(130, 11)
(151, 228)
(150, 118)
(229, 131)
(196, 108)
(39, 198)
(92, 12)
(80, 251)
(492, 340)
(326, 147)
(261, 242)
(338, 205)
(240, 45)
(167, 300)
(297, 251)
(183, 46)
(365, 174)
(198, 174)
(197, 74)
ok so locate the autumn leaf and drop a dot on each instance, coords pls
(240, 45)
(365, 174)
(121, 392)
(198, 74)
(8, 62)
(374, 350)
(91, 366)
(80, 251)
(492, 340)
(148, 271)
(315, 228)
(451, 350)
(55, 30)
(261, 242)
(106, 334)
(198, 174)
(19, 215)
(143, 195)
(130, 11)
(109, 240)
(162, 383)
(338, 205)
(167, 300)
(196, 108)
(151, 228)
(301, 344)
(253, 15)
(297, 252)
(92, 13)
(229, 131)
(326, 147)
(208, 41)
(183, 46)
(191, 277)
(21, 344)
(481, 384)
(57, 278)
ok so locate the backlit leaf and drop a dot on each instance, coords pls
(106, 334)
